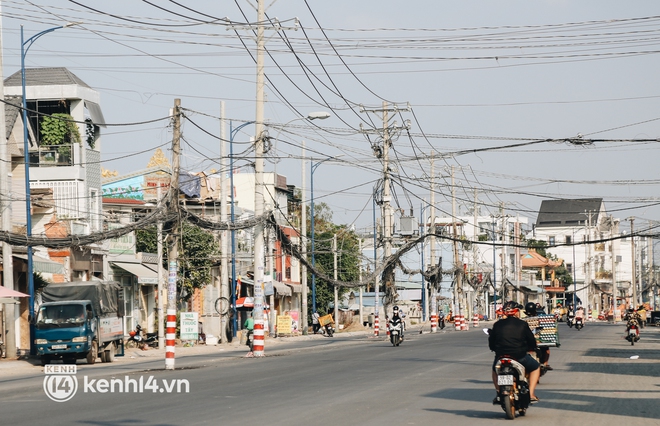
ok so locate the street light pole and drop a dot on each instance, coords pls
(25, 46)
(232, 133)
(313, 167)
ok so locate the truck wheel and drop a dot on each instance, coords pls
(108, 355)
(93, 353)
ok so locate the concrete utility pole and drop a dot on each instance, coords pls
(258, 311)
(223, 286)
(386, 210)
(458, 305)
(159, 251)
(360, 280)
(172, 238)
(434, 297)
(303, 242)
(633, 258)
(334, 255)
(614, 290)
(8, 310)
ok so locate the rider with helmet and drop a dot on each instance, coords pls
(531, 310)
(396, 319)
(512, 336)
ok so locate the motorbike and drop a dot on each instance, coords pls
(328, 330)
(441, 322)
(136, 339)
(632, 332)
(579, 323)
(396, 333)
(513, 386)
(570, 319)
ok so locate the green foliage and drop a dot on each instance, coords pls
(90, 134)
(59, 129)
(348, 263)
(197, 253)
(539, 246)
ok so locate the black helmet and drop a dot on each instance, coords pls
(510, 308)
(530, 309)
(395, 309)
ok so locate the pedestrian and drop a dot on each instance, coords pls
(316, 326)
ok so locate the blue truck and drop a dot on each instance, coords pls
(80, 320)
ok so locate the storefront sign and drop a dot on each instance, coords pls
(189, 326)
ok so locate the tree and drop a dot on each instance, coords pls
(197, 254)
(348, 256)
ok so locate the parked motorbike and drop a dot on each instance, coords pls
(579, 323)
(632, 332)
(137, 340)
(396, 333)
(328, 330)
(513, 386)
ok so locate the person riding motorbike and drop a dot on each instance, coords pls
(512, 336)
(570, 316)
(532, 310)
(396, 319)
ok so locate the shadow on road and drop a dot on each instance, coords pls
(563, 401)
(644, 354)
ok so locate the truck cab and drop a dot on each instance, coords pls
(65, 330)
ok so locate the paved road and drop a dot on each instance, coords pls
(430, 378)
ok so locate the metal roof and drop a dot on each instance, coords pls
(45, 77)
(566, 212)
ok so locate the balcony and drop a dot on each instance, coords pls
(52, 156)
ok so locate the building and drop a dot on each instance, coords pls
(595, 251)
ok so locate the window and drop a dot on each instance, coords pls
(569, 240)
(569, 268)
(551, 240)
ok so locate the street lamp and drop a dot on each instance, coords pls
(313, 167)
(25, 46)
(232, 133)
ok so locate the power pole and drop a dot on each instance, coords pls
(458, 306)
(386, 210)
(613, 269)
(172, 238)
(303, 242)
(223, 287)
(8, 310)
(334, 252)
(159, 251)
(633, 257)
(434, 297)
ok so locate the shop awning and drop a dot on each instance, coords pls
(282, 289)
(144, 274)
(297, 288)
(43, 265)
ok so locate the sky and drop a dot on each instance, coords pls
(525, 100)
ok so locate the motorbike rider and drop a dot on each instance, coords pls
(633, 320)
(512, 336)
(532, 310)
(396, 319)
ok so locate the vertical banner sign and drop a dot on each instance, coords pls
(189, 326)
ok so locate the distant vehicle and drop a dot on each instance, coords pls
(80, 320)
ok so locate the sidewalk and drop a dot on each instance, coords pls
(10, 367)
